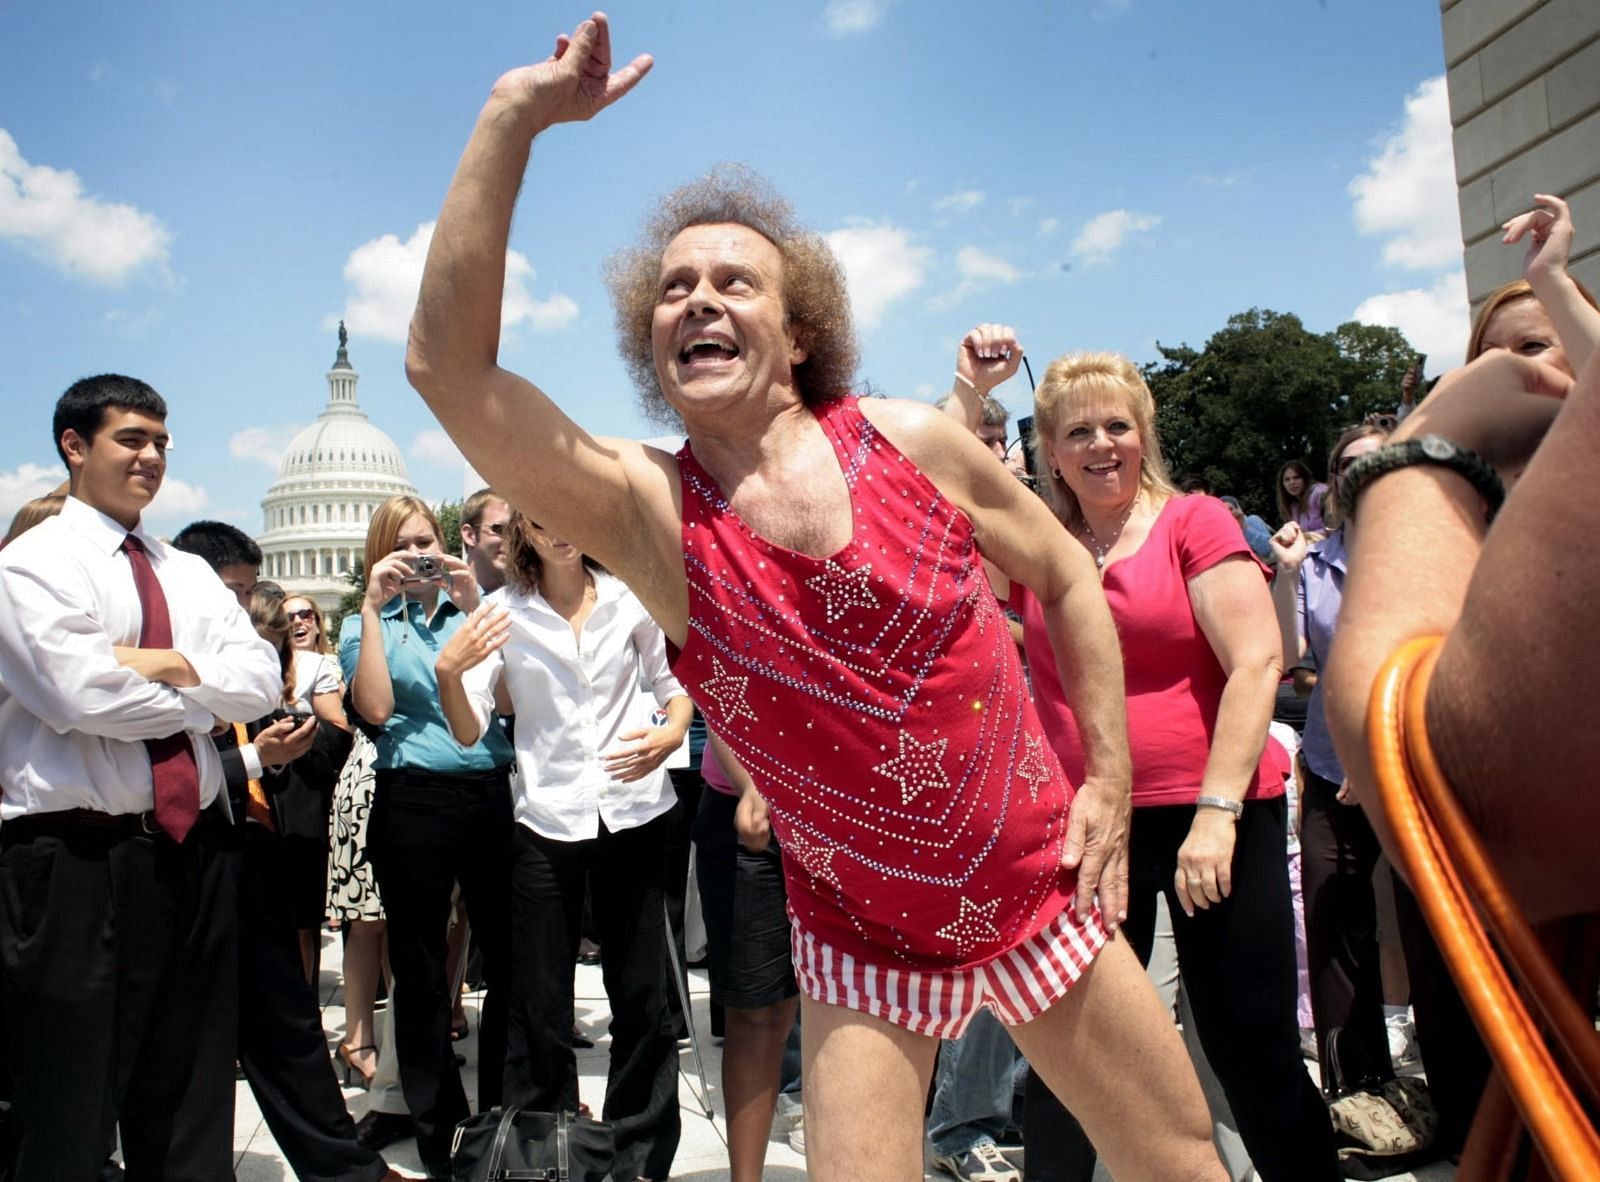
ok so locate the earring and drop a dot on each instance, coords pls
(1056, 472)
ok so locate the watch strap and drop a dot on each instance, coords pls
(1234, 807)
(1425, 449)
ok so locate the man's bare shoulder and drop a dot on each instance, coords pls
(931, 439)
(909, 424)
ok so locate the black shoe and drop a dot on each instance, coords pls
(378, 1129)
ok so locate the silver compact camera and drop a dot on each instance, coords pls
(427, 568)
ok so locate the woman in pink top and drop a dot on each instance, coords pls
(1201, 662)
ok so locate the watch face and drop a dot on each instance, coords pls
(1436, 447)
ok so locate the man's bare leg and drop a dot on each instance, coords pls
(865, 1082)
(1111, 1054)
(752, 1061)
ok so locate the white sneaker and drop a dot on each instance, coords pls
(1402, 1040)
(797, 1133)
(982, 1163)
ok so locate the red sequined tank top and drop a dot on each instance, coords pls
(877, 699)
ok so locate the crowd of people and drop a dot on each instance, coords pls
(996, 771)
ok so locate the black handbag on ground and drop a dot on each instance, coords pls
(515, 1145)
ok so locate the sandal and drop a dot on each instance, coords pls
(353, 1075)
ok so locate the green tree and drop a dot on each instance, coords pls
(350, 601)
(449, 515)
(1266, 390)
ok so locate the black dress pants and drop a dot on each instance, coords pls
(282, 1048)
(1339, 851)
(623, 872)
(120, 958)
(688, 785)
(1238, 968)
(429, 831)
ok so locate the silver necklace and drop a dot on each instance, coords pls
(1100, 551)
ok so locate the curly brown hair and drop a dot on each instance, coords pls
(816, 300)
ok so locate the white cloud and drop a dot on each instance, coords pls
(264, 445)
(1407, 195)
(178, 503)
(46, 212)
(132, 324)
(979, 264)
(1435, 319)
(23, 483)
(1104, 234)
(1048, 226)
(385, 273)
(1222, 180)
(881, 265)
(433, 446)
(960, 202)
(978, 269)
(845, 17)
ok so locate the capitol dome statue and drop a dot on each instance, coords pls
(329, 481)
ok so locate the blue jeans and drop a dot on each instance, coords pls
(972, 1087)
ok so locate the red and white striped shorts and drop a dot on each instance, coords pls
(1018, 985)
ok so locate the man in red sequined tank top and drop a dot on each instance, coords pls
(815, 562)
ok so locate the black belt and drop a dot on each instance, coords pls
(63, 820)
(465, 779)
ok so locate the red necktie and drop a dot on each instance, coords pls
(173, 774)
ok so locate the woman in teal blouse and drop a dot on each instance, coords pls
(441, 813)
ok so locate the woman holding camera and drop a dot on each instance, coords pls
(441, 812)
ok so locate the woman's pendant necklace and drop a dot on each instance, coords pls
(1100, 551)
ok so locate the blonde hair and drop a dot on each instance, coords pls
(387, 519)
(31, 514)
(271, 621)
(1508, 293)
(1075, 382)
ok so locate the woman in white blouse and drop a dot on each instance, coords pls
(566, 648)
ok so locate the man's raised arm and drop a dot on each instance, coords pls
(507, 428)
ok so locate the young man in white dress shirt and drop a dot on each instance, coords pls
(118, 916)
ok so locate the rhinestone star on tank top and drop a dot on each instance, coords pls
(877, 700)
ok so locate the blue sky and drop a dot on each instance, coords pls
(195, 194)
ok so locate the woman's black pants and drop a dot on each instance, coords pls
(623, 871)
(1238, 968)
(429, 831)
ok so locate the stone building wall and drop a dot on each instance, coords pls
(1524, 84)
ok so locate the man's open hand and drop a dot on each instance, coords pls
(1097, 847)
(575, 82)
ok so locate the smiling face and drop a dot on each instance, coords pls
(1097, 449)
(119, 469)
(1523, 327)
(303, 630)
(486, 545)
(719, 333)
